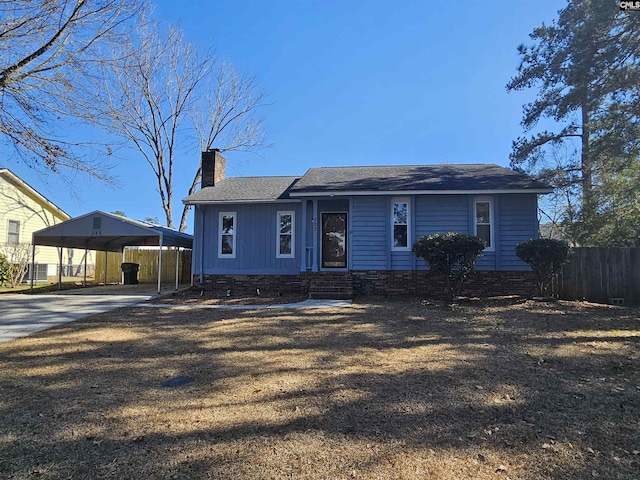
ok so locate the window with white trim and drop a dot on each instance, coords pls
(285, 241)
(227, 235)
(400, 230)
(13, 232)
(483, 225)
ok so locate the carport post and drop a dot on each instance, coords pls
(33, 262)
(122, 273)
(160, 265)
(106, 264)
(60, 268)
(84, 280)
(177, 264)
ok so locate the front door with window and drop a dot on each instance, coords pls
(334, 240)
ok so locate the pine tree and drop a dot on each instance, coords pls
(586, 68)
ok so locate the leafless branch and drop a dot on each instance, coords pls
(49, 50)
(145, 99)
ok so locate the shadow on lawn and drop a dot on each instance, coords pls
(546, 391)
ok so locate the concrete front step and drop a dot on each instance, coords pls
(330, 285)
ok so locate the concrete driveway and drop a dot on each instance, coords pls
(23, 314)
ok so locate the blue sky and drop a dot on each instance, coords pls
(350, 82)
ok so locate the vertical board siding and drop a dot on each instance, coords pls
(310, 223)
(148, 261)
(515, 220)
(602, 275)
(440, 214)
(369, 236)
(486, 261)
(197, 240)
(255, 240)
(515, 217)
(518, 219)
(401, 260)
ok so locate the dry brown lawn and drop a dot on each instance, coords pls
(384, 389)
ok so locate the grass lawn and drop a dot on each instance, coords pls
(385, 389)
(41, 287)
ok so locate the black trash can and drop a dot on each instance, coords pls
(130, 271)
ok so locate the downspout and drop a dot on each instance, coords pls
(497, 232)
(388, 227)
(411, 239)
(314, 220)
(349, 236)
(60, 268)
(201, 244)
(177, 265)
(33, 261)
(194, 244)
(303, 237)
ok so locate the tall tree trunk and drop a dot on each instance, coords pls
(586, 162)
(192, 190)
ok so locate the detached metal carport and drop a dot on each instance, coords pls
(106, 232)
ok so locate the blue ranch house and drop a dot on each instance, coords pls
(339, 230)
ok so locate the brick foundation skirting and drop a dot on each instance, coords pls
(247, 284)
(478, 284)
(374, 282)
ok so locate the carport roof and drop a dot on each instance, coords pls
(107, 232)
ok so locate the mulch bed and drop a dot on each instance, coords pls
(194, 296)
(384, 389)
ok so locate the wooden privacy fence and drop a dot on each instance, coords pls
(601, 275)
(148, 261)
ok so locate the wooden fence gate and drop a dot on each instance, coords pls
(148, 261)
(602, 275)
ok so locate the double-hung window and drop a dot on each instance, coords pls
(13, 232)
(483, 225)
(227, 235)
(400, 224)
(285, 241)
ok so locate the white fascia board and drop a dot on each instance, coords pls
(416, 192)
(34, 194)
(239, 202)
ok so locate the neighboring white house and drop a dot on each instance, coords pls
(23, 211)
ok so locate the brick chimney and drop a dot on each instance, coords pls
(213, 167)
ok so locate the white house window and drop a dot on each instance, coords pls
(13, 232)
(400, 234)
(484, 222)
(285, 243)
(227, 237)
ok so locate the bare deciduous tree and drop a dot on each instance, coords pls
(18, 259)
(145, 99)
(163, 94)
(227, 119)
(48, 50)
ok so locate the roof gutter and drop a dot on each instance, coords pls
(339, 193)
(217, 202)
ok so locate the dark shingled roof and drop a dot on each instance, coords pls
(402, 178)
(245, 189)
(474, 177)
